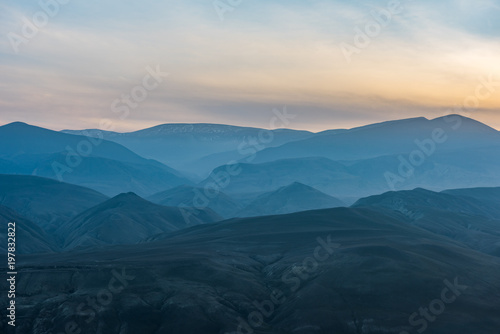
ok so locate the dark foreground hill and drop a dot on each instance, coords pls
(29, 237)
(343, 271)
(488, 197)
(470, 220)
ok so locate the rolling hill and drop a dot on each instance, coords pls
(46, 202)
(330, 271)
(328, 176)
(29, 237)
(197, 148)
(128, 219)
(360, 178)
(292, 198)
(371, 141)
(197, 198)
(473, 222)
(100, 164)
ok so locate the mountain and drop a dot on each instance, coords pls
(292, 198)
(323, 174)
(452, 132)
(128, 219)
(46, 202)
(98, 164)
(112, 177)
(486, 196)
(446, 201)
(26, 139)
(339, 270)
(447, 169)
(183, 145)
(197, 198)
(29, 237)
(465, 219)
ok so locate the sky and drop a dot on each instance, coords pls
(333, 64)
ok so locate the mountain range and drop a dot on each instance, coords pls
(128, 219)
(251, 232)
(197, 148)
(46, 202)
(99, 164)
(295, 197)
(443, 153)
(344, 270)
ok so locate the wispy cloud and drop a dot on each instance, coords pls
(262, 56)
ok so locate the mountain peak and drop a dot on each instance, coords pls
(297, 186)
(466, 122)
(180, 128)
(130, 196)
(129, 199)
(18, 125)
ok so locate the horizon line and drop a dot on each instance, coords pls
(254, 127)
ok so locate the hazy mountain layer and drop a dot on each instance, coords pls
(198, 198)
(46, 202)
(181, 145)
(395, 137)
(99, 164)
(292, 198)
(444, 170)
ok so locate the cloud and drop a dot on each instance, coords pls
(264, 55)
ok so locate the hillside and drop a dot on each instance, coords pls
(101, 165)
(295, 197)
(46, 202)
(371, 273)
(128, 219)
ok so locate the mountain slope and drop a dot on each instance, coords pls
(46, 202)
(197, 198)
(319, 173)
(26, 139)
(422, 198)
(181, 145)
(330, 271)
(29, 238)
(489, 197)
(470, 221)
(112, 177)
(447, 169)
(292, 198)
(102, 165)
(454, 132)
(128, 219)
